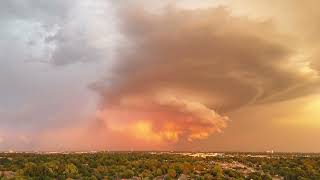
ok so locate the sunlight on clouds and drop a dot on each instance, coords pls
(144, 130)
(162, 118)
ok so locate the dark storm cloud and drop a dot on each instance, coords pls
(229, 61)
(207, 60)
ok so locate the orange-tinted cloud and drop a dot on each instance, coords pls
(162, 118)
(180, 66)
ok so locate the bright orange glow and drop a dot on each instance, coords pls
(143, 130)
(307, 115)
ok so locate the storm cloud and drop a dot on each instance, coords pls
(208, 56)
(92, 74)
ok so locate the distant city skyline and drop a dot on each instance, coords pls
(172, 75)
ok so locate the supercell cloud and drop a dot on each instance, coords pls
(182, 70)
(92, 75)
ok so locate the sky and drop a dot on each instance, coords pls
(181, 75)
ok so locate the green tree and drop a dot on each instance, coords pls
(172, 173)
(71, 170)
(159, 172)
(217, 171)
(128, 173)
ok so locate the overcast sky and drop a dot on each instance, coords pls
(211, 75)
